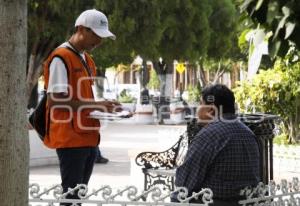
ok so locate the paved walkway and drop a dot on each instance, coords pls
(121, 142)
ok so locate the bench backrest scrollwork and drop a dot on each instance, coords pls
(166, 159)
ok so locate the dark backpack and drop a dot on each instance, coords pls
(37, 118)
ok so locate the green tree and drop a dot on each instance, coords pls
(186, 33)
(171, 29)
(223, 24)
(185, 29)
(137, 27)
(222, 49)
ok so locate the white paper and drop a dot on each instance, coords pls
(106, 114)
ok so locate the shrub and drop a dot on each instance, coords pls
(125, 97)
(274, 91)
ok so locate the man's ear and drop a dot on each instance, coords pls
(212, 111)
(80, 28)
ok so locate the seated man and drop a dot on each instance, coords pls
(224, 155)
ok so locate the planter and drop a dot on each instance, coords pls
(144, 114)
(128, 107)
(177, 114)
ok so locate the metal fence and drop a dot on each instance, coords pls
(283, 194)
(106, 195)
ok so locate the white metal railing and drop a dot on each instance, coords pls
(283, 194)
(105, 195)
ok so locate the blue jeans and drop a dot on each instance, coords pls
(98, 152)
(76, 166)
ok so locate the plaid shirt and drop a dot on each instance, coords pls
(223, 157)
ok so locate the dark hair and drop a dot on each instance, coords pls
(220, 96)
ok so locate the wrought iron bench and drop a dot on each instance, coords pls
(159, 167)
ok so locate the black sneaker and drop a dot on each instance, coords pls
(101, 160)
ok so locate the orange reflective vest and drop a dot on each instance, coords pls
(66, 128)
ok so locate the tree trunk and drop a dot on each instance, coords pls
(291, 131)
(218, 74)
(145, 74)
(202, 75)
(14, 146)
(235, 75)
(39, 53)
(100, 80)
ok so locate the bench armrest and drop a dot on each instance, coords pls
(164, 160)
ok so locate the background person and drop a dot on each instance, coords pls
(99, 157)
(224, 155)
(68, 75)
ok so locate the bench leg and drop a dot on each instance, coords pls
(172, 183)
(145, 186)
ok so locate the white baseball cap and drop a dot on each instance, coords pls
(96, 21)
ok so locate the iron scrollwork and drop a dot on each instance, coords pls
(282, 194)
(165, 159)
(106, 195)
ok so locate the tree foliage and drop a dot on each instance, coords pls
(53, 20)
(137, 27)
(274, 91)
(223, 23)
(186, 29)
(281, 17)
(171, 29)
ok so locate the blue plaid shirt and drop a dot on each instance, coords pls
(223, 157)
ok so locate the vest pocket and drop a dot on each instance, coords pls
(83, 124)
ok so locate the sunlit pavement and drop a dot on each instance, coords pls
(121, 142)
